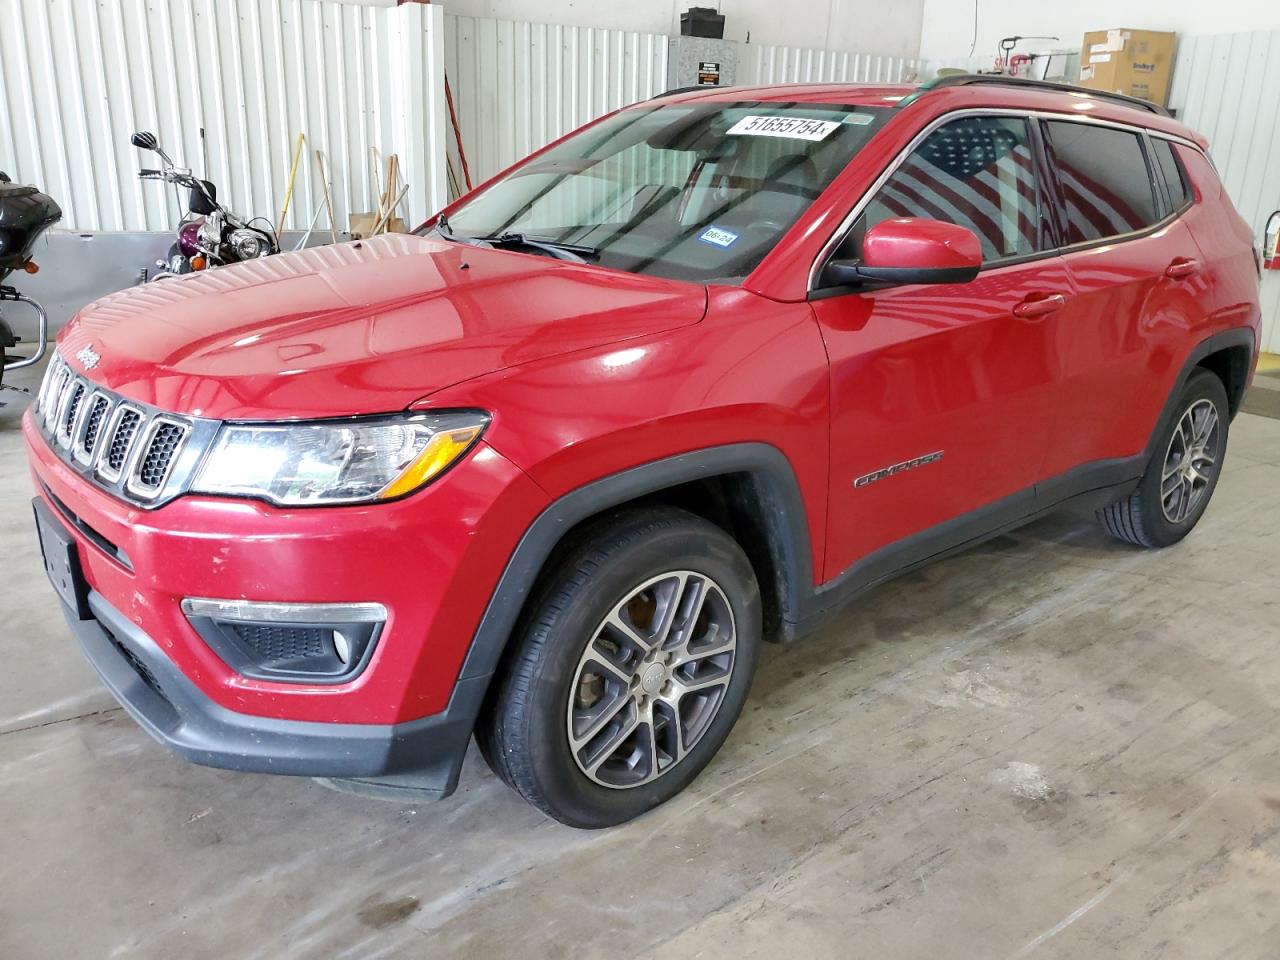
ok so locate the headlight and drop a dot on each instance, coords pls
(211, 232)
(350, 461)
(249, 244)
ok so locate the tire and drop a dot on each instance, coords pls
(1152, 517)
(569, 670)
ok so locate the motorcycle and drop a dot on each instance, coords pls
(209, 235)
(25, 213)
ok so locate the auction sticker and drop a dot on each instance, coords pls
(791, 128)
(718, 237)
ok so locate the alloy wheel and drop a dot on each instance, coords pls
(1190, 461)
(651, 679)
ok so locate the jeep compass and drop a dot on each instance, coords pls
(548, 470)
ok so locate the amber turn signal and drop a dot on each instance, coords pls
(440, 452)
(31, 267)
(198, 263)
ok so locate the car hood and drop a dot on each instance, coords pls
(363, 327)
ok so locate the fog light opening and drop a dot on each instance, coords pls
(341, 647)
(289, 642)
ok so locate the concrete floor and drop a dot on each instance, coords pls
(1053, 746)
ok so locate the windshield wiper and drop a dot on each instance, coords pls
(443, 228)
(573, 252)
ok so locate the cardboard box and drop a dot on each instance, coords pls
(1137, 63)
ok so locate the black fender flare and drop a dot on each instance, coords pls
(785, 519)
(1224, 339)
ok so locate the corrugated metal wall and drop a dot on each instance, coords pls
(517, 86)
(253, 73)
(763, 63)
(1228, 88)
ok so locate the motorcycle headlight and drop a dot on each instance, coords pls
(249, 244)
(210, 232)
(354, 461)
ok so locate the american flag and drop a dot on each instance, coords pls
(978, 173)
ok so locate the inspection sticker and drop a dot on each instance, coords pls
(719, 238)
(792, 128)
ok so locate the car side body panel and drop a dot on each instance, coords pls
(1119, 344)
(753, 371)
(1229, 272)
(946, 372)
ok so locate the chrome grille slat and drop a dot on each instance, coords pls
(71, 409)
(118, 442)
(85, 438)
(52, 373)
(138, 453)
(57, 393)
(155, 455)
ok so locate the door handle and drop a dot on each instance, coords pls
(1035, 307)
(1181, 268)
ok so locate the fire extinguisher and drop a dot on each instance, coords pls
(1271, 243)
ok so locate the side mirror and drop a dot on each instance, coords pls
(911, 250)
(144, 140)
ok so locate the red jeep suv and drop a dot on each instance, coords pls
(548, 470)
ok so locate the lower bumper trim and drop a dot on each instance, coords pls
(424, 755)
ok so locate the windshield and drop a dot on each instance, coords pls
(697, 192)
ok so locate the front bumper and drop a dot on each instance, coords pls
(423, 756)
(431, 560)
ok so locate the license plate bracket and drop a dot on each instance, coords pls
(62, 560)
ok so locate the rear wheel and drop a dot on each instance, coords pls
(1183, 472)
(630, 670)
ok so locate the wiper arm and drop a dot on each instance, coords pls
(446, 231)
(573, 252)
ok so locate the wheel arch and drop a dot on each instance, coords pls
(1232, 364)
(745, 488)
(1220, 354)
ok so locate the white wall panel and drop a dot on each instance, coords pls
(950, 27)
(1227, 86)
(764, 63)
(517, 86)
(77, 76)
(890, 28)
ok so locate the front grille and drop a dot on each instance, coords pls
(272, 643)
(166, 440)
(73, 406)
(122, 439)
(56, 376)
(125, 447)
(93, 422)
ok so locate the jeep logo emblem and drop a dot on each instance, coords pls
(88, 357)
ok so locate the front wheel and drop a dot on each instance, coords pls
(631, 668)
(1183, 471)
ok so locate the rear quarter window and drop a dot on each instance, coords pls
(1175, 178)
(1106, 187)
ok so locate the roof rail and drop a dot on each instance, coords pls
(678, 90)
(997, 79)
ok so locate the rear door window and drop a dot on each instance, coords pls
(1106, 185)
